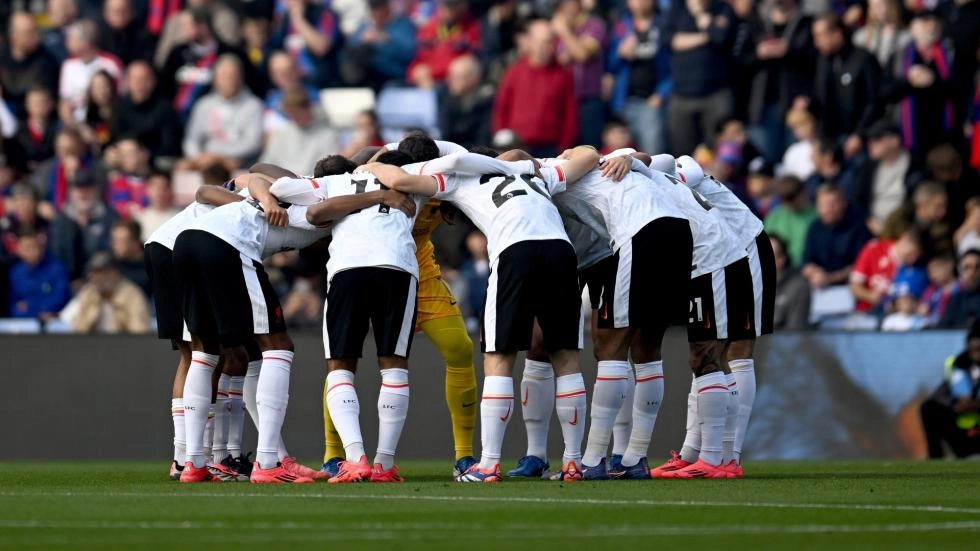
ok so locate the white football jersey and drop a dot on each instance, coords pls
(730, 210)
(714, 245)
(243, 226)
(167, 233)
(583, 212)
(508, 209)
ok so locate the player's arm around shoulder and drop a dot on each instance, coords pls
(579, 161)
(397, 179)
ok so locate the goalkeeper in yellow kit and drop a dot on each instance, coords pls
(438, 317)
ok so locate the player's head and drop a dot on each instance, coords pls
(484, 150)
(332, 165)
(419, 147)
(396, 158)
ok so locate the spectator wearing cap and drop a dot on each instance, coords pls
(641, 65)
(381, 48)
(35, 137)
(921, 84)
(53, 177)
(24, 63)
(223, 19)
(883, 184)
(450, 34)
(792, 218)
(536, 98)
(760, 188)
(107, 302)
(82, 228)
(466, 106)
(310, 33)
(304, 139)
(963, 308)
(906, 291)
(225, 127)
(144, 114)
(927, 212)
(189, 69)
(121, 34)
(846, 86)
(38, 280)
(834, 239)
(581, 40)
(876, 266)
(701, 34)
(779, 52)
(77, 71)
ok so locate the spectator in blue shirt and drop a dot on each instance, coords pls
(38, 281)
(641, 65)
(381, 49)
(834, 240)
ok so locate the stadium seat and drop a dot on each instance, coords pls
(400, 109)
(342, 105)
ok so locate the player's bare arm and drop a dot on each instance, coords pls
(579, 161)
(216, 195)
(258, 187)
(322, 214)
(399, 180)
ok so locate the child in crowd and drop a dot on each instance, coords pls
(761, 188)
(616, 135)
(942, 286)
(906, 290)
(797, 160)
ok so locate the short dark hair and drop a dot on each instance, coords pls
(365, 155)
(419, 147)
(215, 174)
(131, 226)
(396, 158)
(484, 150)
(789, 187)
(332, 165)
(831, 186)
(833, 21)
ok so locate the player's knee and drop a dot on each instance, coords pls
(740, 350)
(704, 358)
(456, 348)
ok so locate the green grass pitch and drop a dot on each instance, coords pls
(897, 505)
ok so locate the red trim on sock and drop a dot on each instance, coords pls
(330, 389)
(712, 387)
(650, 378)
(611, 378)
(571, 394)
(264, 358)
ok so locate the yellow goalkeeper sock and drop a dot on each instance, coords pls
(450, 337)
(335, 447)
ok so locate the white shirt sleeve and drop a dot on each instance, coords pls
(554, 179)
(474, 163)
(620, 153)
(643, 169)
(448, 184)
(297, 218)
(298, 191)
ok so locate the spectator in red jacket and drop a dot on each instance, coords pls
(452, 33)
(536, 98)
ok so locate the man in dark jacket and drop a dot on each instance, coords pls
(700, 34)
(834, 240)
(121, 34)
(846, 87)
(465, 111)
(24, 63)
(144, 114)
(964, 307)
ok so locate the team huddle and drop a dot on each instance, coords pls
(656, 241)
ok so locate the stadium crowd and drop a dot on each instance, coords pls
(852, 128)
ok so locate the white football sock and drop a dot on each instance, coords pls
(744, 371)
(646, 406)
(607, 397)
(236, 415)
(345, 411)
(713, 398)
(271, 399)
(209, 434)
(180, 442)
(197, 401)
(392, 411)
(623, 425)
(537, 403)
(692, 438)
(248, 390)
(219, 449)
(496, 409)
(731, 420)
(570, 404)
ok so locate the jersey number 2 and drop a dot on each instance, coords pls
(499, 197)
